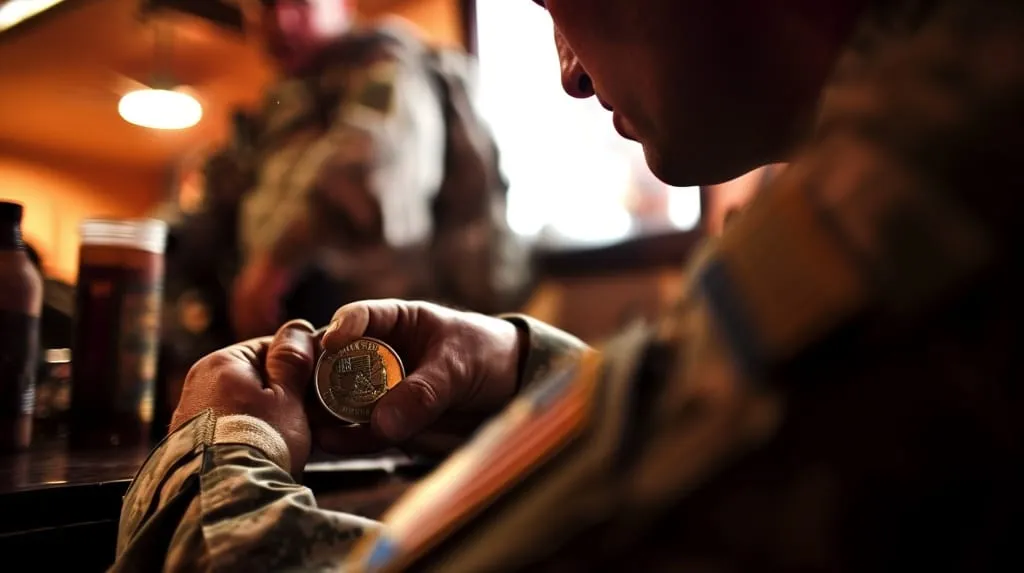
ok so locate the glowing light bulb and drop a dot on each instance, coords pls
(160, 109)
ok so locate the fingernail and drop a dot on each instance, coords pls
(332, 328)
(390, 424)
(300, 323)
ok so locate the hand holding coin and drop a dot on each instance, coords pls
(460, 368)
(265, 378)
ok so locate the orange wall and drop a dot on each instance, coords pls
(58, 194)
(440, 20)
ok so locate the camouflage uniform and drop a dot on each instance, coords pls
(837, 389)
(356, 179)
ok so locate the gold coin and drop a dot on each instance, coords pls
(351, 381)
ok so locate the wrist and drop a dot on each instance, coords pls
(520, 353)
(497, 361)
(241, 429)
(539, 345)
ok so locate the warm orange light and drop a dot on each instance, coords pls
(15, 12)
(160, 109)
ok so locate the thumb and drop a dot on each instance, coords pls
(291, 357)
(390, 320)
(414, 404)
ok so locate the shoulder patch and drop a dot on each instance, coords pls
(287, 104)
(534, 427)
(372, 90)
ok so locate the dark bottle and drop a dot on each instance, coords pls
(21, 302)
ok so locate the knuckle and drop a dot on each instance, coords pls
(424, 394)
(298, 324)
(350, 309)
(457, 356)
(227, 380)
(460, 369)
(210, 363)
(290, 355)
(432, 317)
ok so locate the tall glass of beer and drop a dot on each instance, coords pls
(117, 320)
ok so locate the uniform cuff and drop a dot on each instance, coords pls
(545, 345)
(255, 433)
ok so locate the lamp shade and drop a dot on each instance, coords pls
(160, 109)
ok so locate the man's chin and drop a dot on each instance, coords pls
(665, 168)
(688, 167)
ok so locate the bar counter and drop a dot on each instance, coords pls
(59, 508)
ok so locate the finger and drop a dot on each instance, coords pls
(376, 318)
(252, 351)
(414, 404)
(291, 356)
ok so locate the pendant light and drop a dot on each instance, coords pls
(164, 105)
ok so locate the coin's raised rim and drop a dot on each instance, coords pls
(326, 354)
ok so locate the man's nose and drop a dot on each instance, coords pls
(575, 80)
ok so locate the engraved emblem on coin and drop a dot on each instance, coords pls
(351, 381)
(360, 377)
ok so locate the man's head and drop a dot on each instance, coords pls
(711, 88)
(295, 30)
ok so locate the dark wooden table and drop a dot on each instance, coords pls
(59, 508)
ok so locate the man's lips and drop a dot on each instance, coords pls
(622, 127)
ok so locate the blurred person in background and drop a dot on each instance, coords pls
(376, 177)
(840, 389)
(203, 257)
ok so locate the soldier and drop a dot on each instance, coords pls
(837, 391)
(376, 179)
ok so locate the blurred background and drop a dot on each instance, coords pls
(579, 194)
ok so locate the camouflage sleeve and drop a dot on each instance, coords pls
(902, 200)
(546, 346)
(213, 496)
(370, 177)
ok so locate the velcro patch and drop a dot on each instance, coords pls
(373, 90)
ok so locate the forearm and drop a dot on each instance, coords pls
(214, 496)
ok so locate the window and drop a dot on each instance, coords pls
(574, 181)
